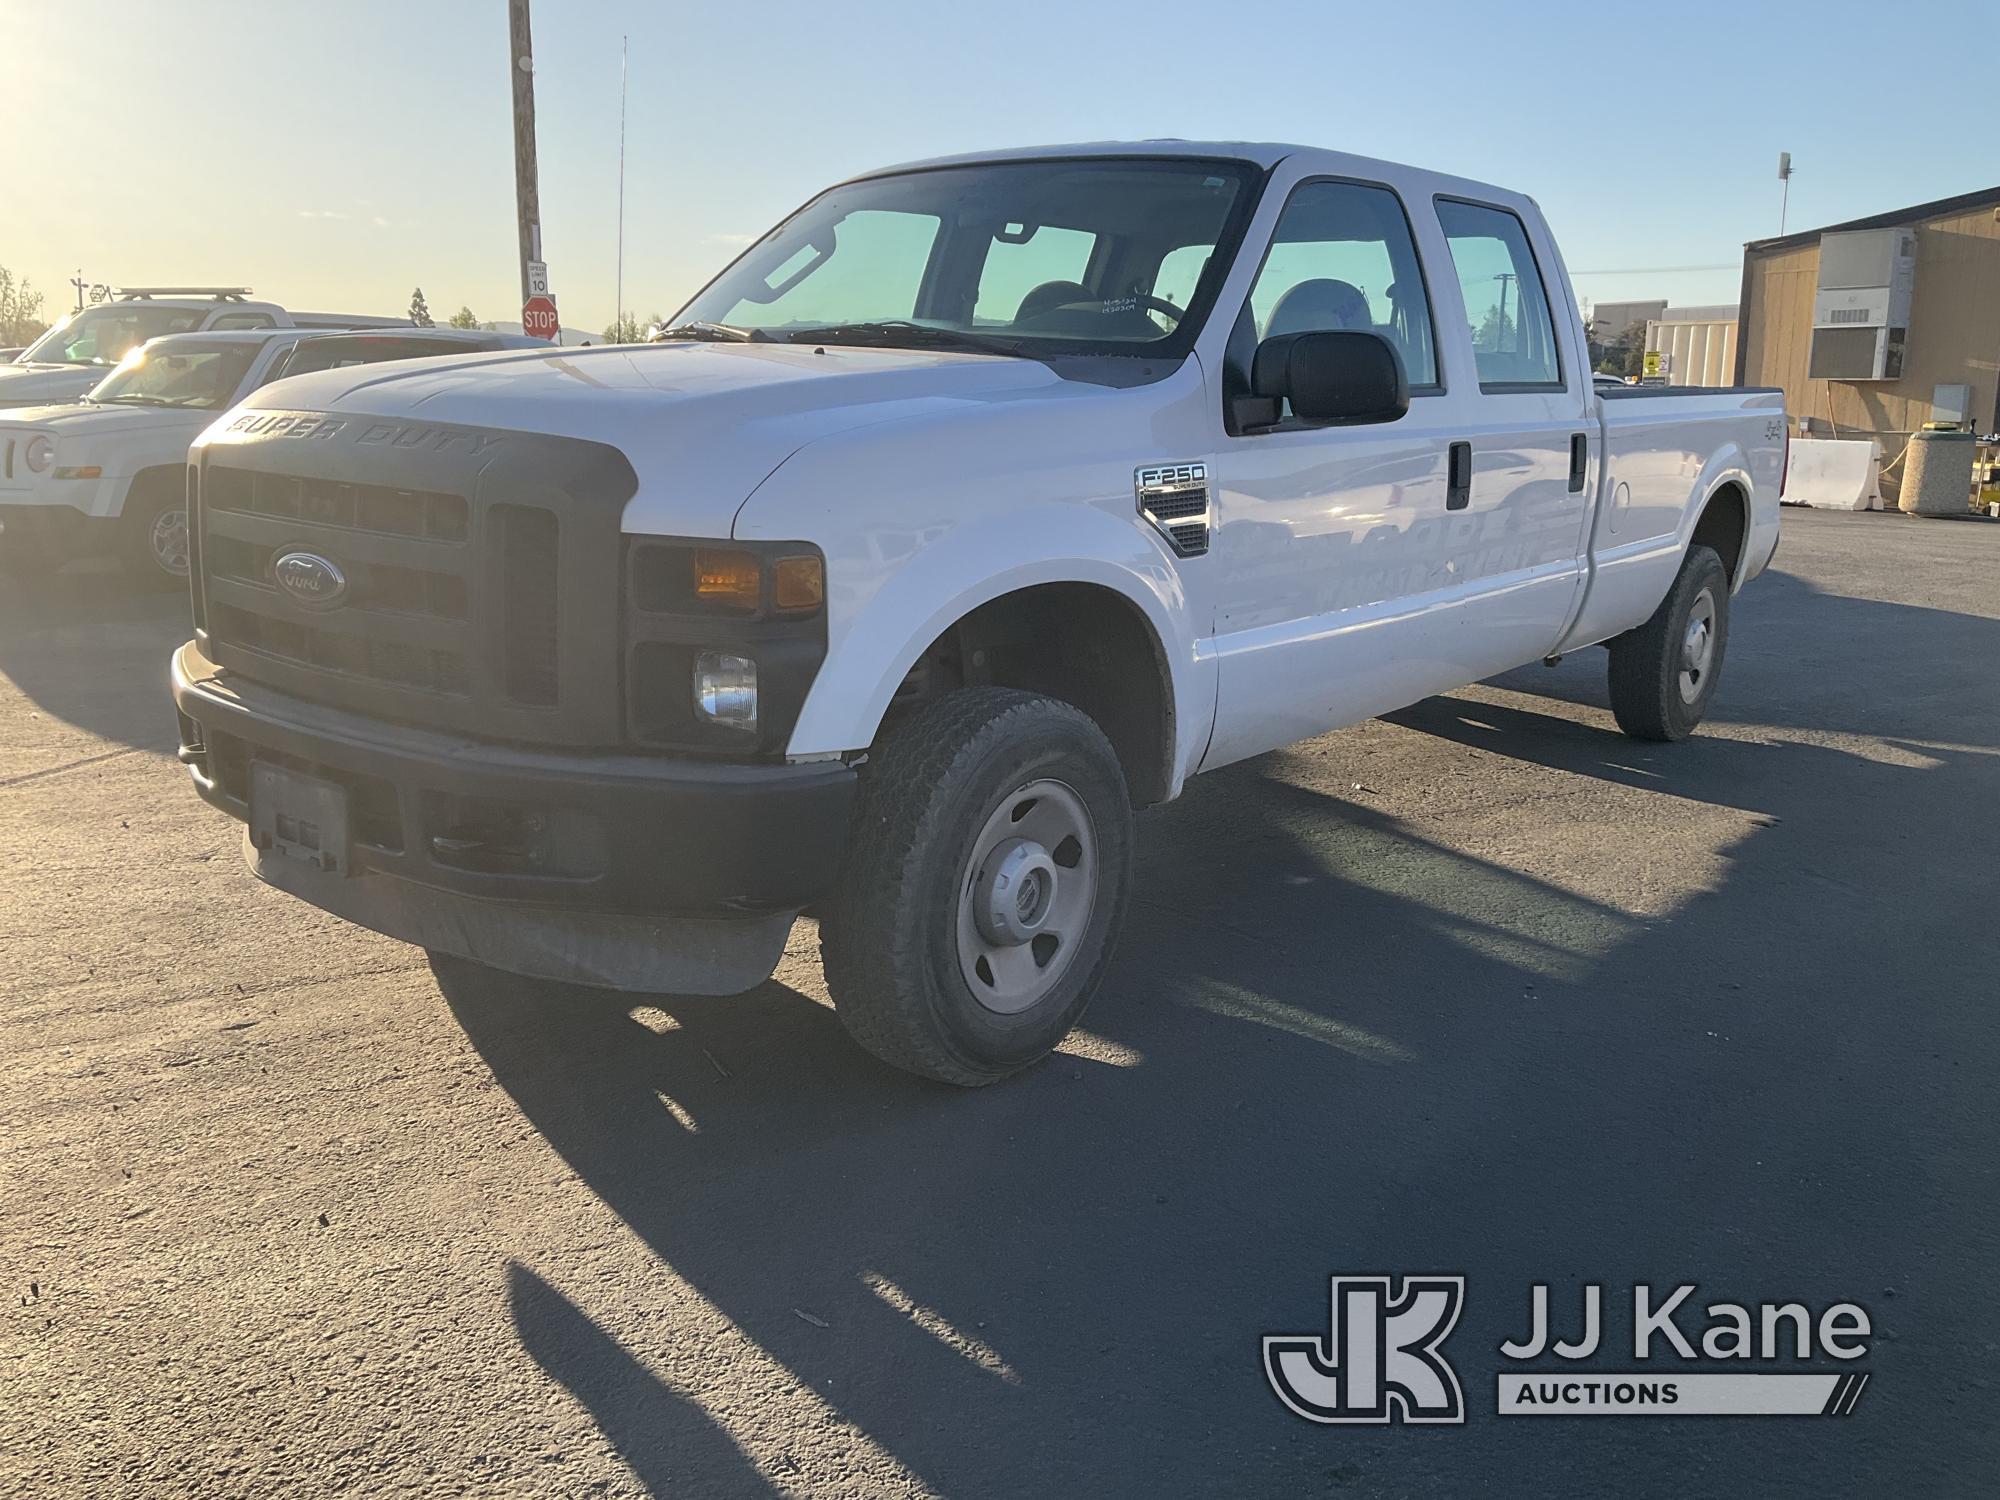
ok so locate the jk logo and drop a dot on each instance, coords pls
(1381, 1362)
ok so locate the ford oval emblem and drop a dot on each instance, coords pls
(310, 579)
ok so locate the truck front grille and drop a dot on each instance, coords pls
(405, 556)
(479, 598)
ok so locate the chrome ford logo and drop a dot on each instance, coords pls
(312, 580)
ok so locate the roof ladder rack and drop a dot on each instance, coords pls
(219, 293)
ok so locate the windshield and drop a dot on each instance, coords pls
(104, 335)
(166, 375)
(1033, 257)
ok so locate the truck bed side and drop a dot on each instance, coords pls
(1664, 455)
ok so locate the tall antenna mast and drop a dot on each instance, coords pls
(624, 56)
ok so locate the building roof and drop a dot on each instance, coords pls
(1937, 208)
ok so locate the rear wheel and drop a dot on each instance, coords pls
(985, 885)
(155, 529)
(1663, 674)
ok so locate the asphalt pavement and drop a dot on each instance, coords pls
(1482, 989)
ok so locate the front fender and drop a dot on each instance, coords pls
(887, 606)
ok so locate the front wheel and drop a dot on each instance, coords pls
(155, 526)
(985, 886)
(1663, 674)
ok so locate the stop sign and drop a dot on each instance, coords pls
(538, 318)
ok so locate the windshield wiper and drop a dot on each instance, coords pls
(712, 333)
(175, 401)
(899, 333)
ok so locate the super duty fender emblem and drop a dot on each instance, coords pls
(1174, 497)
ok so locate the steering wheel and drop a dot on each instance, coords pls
(1161, 306)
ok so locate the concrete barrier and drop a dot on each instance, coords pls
(1835, 474)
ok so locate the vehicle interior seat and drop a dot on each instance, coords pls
(1323, 303)
(1050, 295)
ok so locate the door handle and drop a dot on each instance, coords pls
(1579, 460)
(1458, 476)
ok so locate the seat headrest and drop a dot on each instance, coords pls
(1051, 295)
(1320, 304)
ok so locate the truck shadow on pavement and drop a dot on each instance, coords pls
(91, 649)
(1330, 1044)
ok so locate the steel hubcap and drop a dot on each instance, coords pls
(170, 542)
(1026, 895)
(1697, 646)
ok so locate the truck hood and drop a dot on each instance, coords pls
(702, 424)
(33, 385)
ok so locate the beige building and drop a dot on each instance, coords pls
(1866, 325)
(1696, 345)
(1610, 319)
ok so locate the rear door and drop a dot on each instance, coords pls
(1514, 542)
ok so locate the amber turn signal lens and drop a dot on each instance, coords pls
(725, 577)
(799, 583)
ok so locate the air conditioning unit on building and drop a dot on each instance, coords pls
(1861, 308)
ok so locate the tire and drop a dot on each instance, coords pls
(1664, 674)
(992, 823)
(153, 540)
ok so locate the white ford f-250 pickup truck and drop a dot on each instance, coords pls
(976, 505)
(108, 473)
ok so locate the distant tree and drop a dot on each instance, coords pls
(420, 312)
(1626, 354)
(624, 330)
(464, 318)
(1496, 330)
(20, 310)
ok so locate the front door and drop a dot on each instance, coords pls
(1329, 536)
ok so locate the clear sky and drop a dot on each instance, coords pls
(333, 155)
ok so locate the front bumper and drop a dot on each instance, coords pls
(568, 831)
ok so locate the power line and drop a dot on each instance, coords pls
(1725, 265)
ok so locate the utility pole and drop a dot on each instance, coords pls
(527, 194)
(624, 59)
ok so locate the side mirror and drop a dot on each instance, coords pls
(1334, 378)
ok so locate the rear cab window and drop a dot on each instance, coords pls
(1046, 262)
(1508, 316)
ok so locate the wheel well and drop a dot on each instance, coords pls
(1725, 526)
(1079, 642)
(161, 479)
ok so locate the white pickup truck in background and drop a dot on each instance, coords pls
(74, 355)
(978, 504)
(108, 473)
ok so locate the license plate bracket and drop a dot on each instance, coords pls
(299, 817)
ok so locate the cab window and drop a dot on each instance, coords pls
(1506, 306)
(1343, 258)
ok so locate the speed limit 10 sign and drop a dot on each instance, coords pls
(538, 318)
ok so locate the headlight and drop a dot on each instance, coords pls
(725, 689)
(677, 578)
(39, 454)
